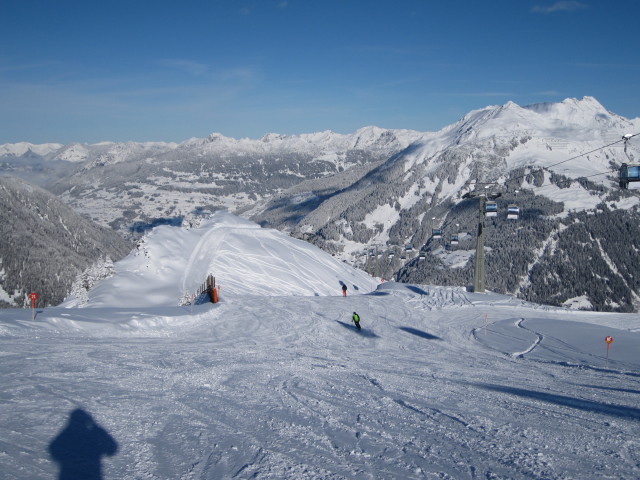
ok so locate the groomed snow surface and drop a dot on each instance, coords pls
(439, 384)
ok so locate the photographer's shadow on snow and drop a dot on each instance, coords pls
(80, 446)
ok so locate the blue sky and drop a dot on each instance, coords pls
(94, 70)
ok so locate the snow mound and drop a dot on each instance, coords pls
(244, 258)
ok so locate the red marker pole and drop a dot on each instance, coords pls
(609, 341)
(33, 296)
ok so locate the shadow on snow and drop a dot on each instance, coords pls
(79, 447)
(364, 332)
(578, 403)
(419, 333)
(417, 290)
(143, 227)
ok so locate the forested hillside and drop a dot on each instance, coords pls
(45, 244)
(588, 257)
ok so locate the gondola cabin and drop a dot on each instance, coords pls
(629, 174)
(491, 209)
(454, 239)
(436, 233)
(513, 212)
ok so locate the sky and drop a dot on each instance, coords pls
(89, 71)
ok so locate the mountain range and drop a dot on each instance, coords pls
(374, 198)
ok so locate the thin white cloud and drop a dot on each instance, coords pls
(563, 6)
(283, 4)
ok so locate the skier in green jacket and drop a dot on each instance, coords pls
(356, 320)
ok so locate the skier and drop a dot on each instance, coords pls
(344, 289)
(356, 320)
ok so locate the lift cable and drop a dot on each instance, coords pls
(624, 139)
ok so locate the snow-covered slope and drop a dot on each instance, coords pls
(171, 262)
(439, 384)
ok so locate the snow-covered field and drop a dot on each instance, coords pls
(439, 384)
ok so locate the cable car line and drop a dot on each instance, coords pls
(513, 211)
(624, 139)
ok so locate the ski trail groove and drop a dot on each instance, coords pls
(537, 341)
(196, 254)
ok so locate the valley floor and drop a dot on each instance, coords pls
(439, 384)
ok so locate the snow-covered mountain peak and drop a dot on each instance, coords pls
(212, 140)
(478, 124)
(322, 138)
(22, 148)
(572, 118)
(215, 137)
(373, 137)
(272, 137)
(585, 110)
(495, 139)
(372, 132)
(370, 136)
(74, 152)
(317, 143)
(510, 105)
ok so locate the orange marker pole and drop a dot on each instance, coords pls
(33, 297)
(609, 341)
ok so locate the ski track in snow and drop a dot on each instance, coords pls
(537, 342)
(196, 255)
